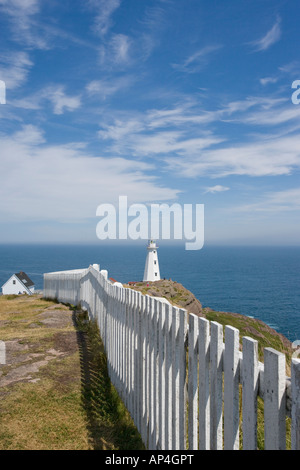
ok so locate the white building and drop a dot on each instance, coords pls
(151, 272)
(18, 283)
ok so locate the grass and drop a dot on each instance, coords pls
(105, 410)
(69, 402)
(257, 330)
(266, 337)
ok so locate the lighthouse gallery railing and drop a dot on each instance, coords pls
(181, 382)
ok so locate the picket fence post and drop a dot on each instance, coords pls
(249, 394)
(231, 388)
(274, 399)
(295, 378)
(204, 383)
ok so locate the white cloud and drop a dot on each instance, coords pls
(216, 189)
(276, 201)
(272, 157)
(119, 46)
(119, 49)
(270, 38)
(149, 37)
(116, 51)
(169, 142)
(108, 87)
(15, 68)
(267, 80)
(188, 120)
(22, 15)
(55, 94)
(273, 116)
(183, 130)
(66, 182)
(178, 116)
(28, 135)
(292, 68)
(20, 7)
(197, 60)
(105, 10)
(61, 101)
(139, 135)
(121, 129)
(161, 130)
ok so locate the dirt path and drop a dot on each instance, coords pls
(27, 353)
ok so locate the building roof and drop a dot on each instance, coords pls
(24, 279)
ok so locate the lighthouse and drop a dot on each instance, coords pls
(151, 272)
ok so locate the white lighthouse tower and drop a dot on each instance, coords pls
(151, 272)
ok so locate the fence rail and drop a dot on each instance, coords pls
(181, 381)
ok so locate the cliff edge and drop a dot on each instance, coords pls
(181, 297)
(174, 292)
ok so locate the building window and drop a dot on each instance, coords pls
(154, 262)
(155, 274)
(14, 281)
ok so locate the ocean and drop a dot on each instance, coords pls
(261, 282)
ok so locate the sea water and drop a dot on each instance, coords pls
(261, 282)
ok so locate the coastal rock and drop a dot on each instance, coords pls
(181, 297)
(173, 291)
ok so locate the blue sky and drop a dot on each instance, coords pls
(184, 101)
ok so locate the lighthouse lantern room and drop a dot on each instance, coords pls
(151, 272)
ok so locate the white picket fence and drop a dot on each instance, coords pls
(178, 377)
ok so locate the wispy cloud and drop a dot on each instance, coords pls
(273, 157)
(123, 50)
(55, 94)
(158, 132)
(15, 68)
(168, 142)
(104, 11)
(119, 47)
(291, 67)
(25, 29)
(275, 201)
(270, 38)
(216, 189)
(121, 130)
(273, 116)
(148, 37)
(107, 87)
(185, 130)
(268, 80)
(61, 101)
(19, 8)
(66, 182)
(31, 29)
(197, 60)
(116, 51)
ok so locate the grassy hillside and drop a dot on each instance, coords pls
(178, 295)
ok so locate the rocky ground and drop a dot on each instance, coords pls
(176, 293)
(27, 353)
